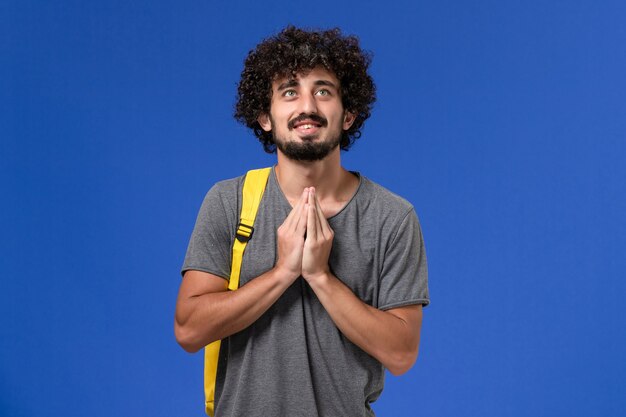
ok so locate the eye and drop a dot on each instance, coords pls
(323, 92)
(289, 93)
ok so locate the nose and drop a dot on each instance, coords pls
(308, 104)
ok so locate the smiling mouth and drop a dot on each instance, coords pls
(307, 126)
(307, 122)
(307, 130)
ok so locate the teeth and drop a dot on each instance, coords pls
(307, 126)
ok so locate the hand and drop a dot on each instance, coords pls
(319, 240)
(290, 236)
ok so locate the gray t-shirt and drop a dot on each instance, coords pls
(293, 361)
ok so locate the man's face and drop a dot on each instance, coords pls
(306, 115)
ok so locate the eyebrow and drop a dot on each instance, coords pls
(288, 84)
(326, 83)
(294, 83)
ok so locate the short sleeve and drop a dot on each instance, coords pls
(404, 276)
(210, 245)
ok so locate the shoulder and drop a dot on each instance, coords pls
(227, 187)
(382, 211)
(226, 194)
(223, 197)
(232, 186)
(226, 190)
(384, 200)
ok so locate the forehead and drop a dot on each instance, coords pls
(312, 75)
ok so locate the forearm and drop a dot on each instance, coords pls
(204, 318)
(388, 338)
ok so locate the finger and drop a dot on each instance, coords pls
(318, 224)
(291, 222)
(299, 212)
(324, 226)
(311, 227)
(302, 220)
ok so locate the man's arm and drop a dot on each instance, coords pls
(206, 311)
(390, 336)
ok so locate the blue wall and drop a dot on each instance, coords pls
(503, 122)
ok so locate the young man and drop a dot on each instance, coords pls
(334, 279)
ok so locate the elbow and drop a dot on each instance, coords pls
(401, 362)
(402, 358)
(186, 339)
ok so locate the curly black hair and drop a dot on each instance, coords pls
(294, 51)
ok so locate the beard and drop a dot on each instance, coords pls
(309, 150)
(306, 151)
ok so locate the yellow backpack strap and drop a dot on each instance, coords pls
(253, 188)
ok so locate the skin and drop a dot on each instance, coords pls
(206, 311)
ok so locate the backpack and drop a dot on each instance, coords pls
(253, 188)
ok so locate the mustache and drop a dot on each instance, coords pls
(314, 117)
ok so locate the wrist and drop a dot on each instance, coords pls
(318, 279)
(285, 274)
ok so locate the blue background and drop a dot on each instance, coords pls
(503, 122)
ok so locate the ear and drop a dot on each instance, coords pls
(348, 119)
(265, 122)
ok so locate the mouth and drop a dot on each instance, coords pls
(307, 128)
(307, 124)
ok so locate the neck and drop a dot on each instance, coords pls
(331, 181)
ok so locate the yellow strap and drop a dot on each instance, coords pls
(253, 188)
(211, 357)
